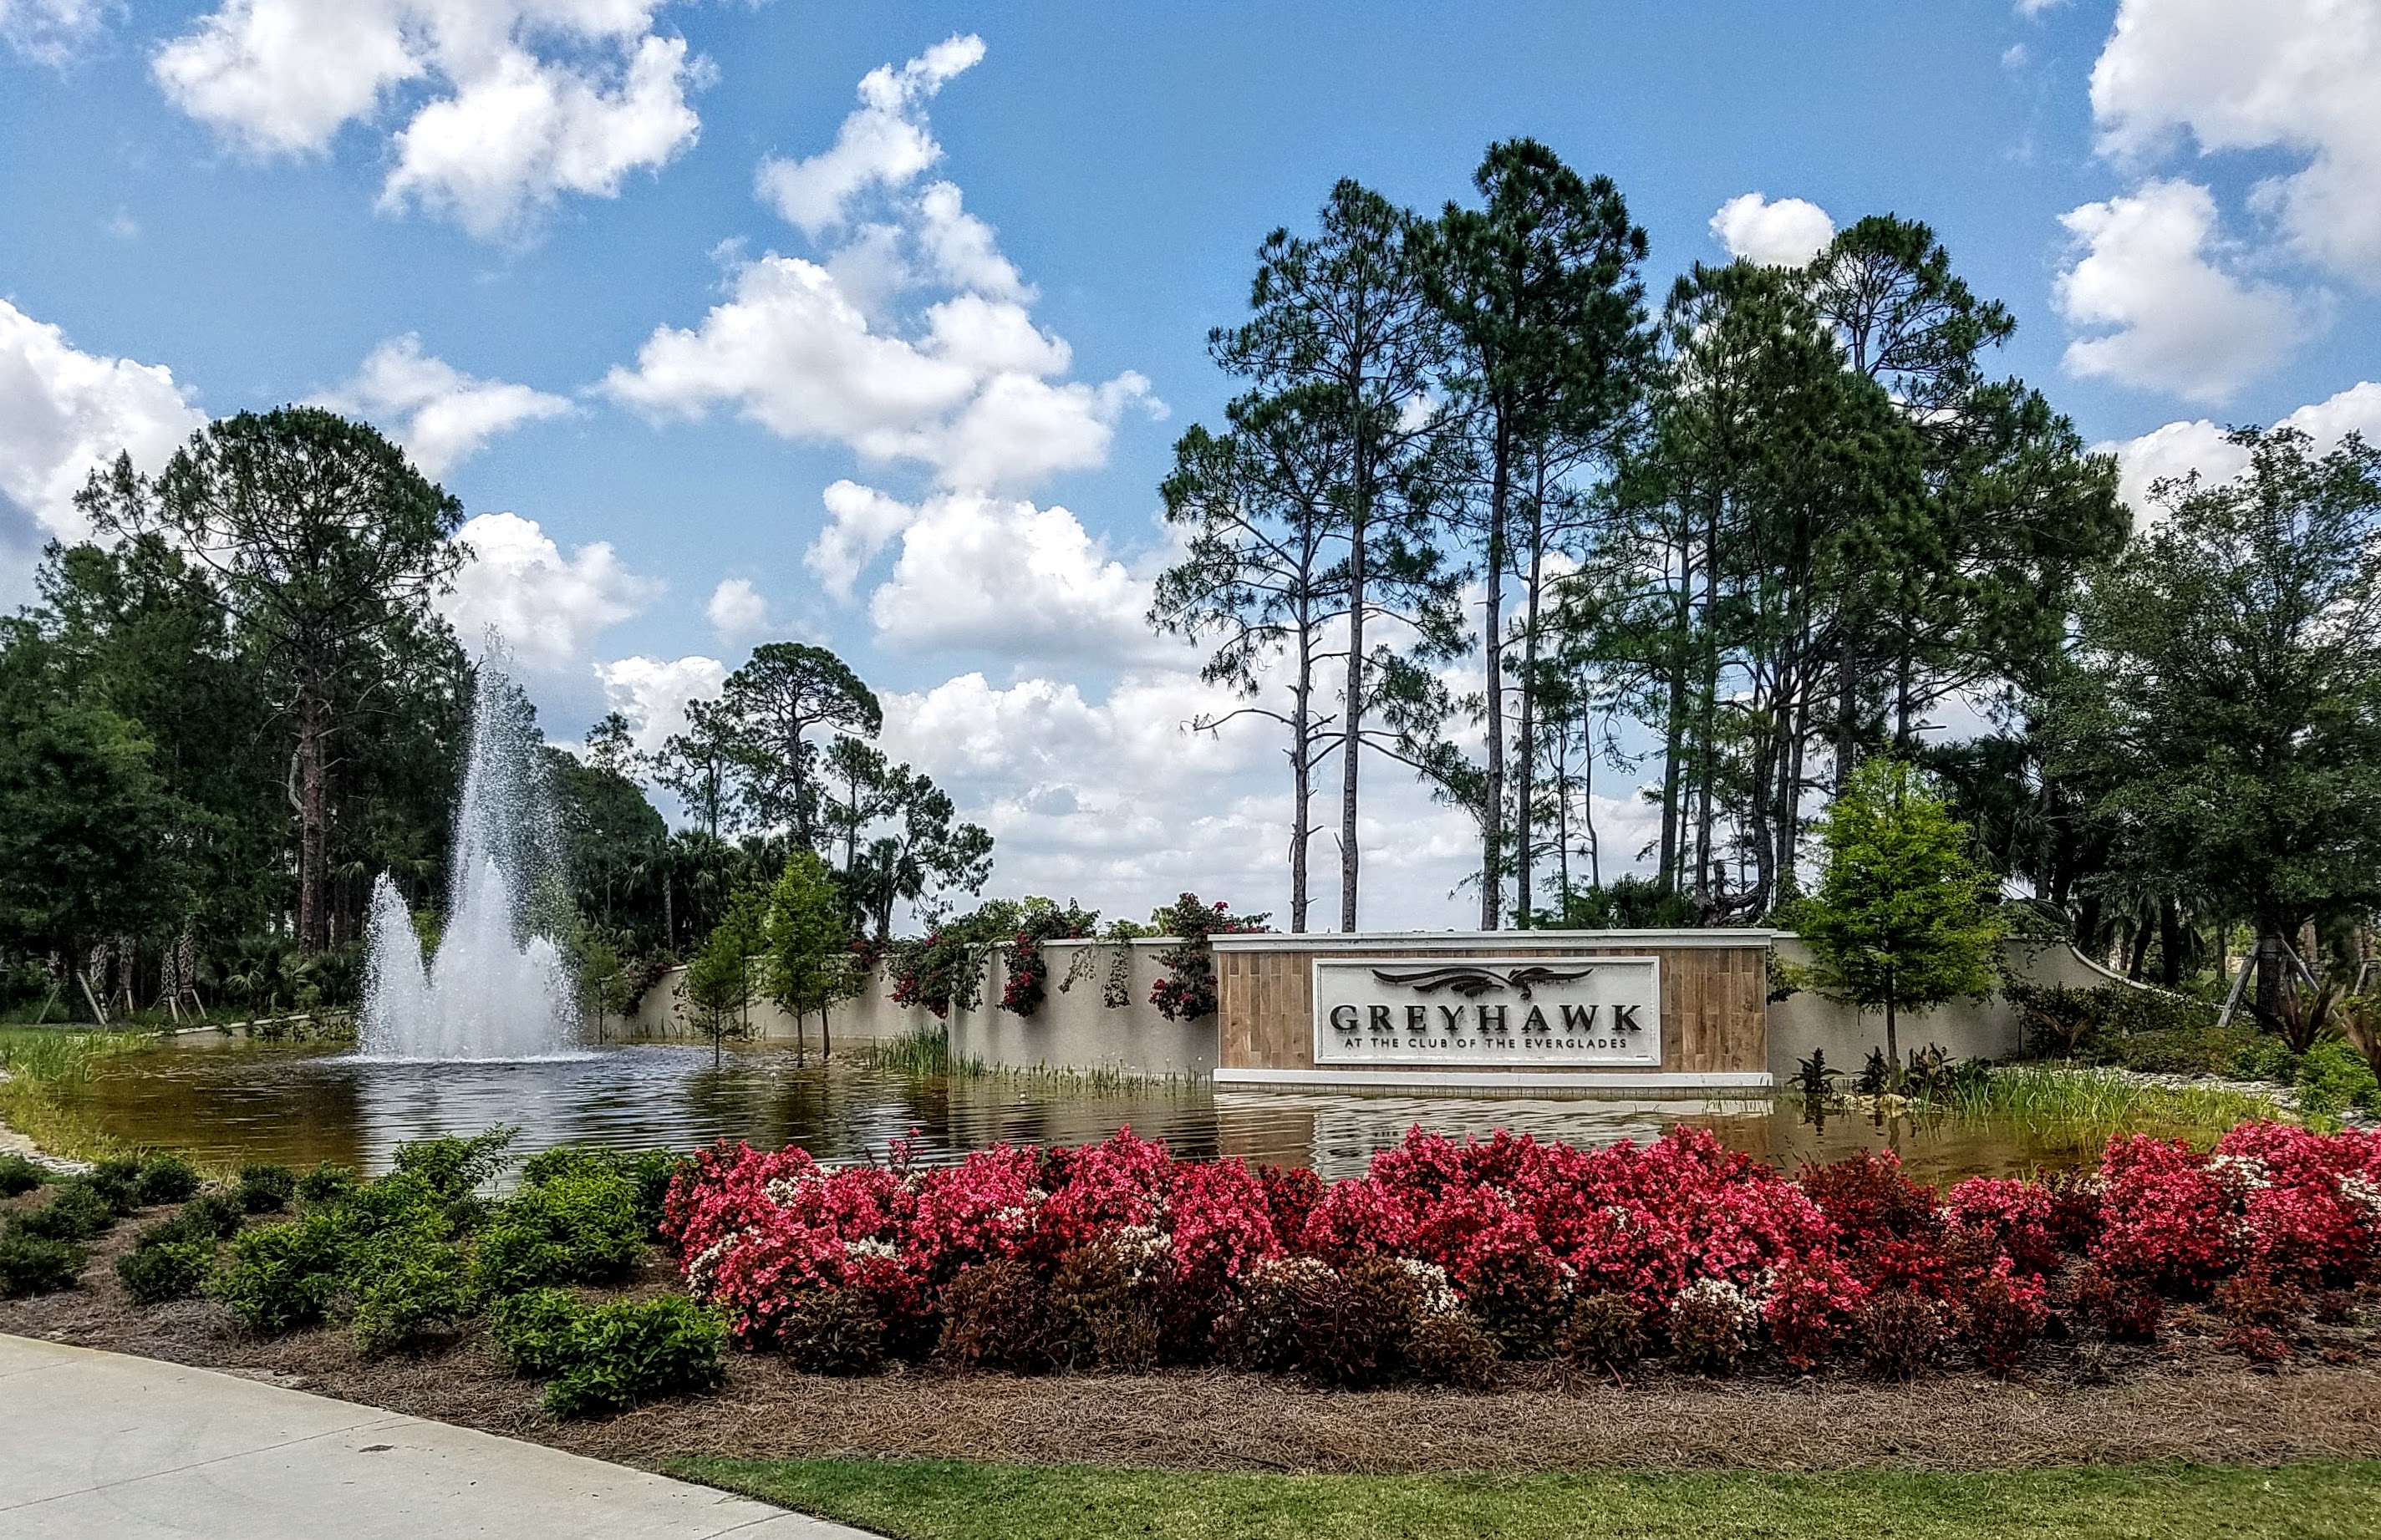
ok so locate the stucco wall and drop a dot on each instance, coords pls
(1074, 1030)
(1071, 1030)
(872, 1017)
(1965, 1029)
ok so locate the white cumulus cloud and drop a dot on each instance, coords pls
(972, 396)
(884, 144)
(846, 350)
(737, 612)
(48, 32)
(2179, 449)
(441, 415)
(1012, 578)
(860, 522)
(508, 104)
(652, 693)
(547, 606)
(2297, 78)
(2151, 283)
(65, 413)
(1114, 802)
(1785, 233)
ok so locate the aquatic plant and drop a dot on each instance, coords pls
(2086, 1107)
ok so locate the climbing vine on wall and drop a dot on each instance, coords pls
(1187, 990)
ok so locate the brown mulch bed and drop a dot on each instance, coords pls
(2186, 1400)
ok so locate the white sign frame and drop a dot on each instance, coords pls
(1450, 993)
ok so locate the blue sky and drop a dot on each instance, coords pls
(529, 190)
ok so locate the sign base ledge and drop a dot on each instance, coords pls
(1500, 1079)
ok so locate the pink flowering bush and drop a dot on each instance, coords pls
(1497, 1242)
(2005, 1220)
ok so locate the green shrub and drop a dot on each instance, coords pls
(266, 1189)
(633, 1351)
(648, 1171)
(2129, 1012)
(2265, 1057)
(165, 1180)
(210, 1217)
(283, 1277)
(19, 1175)
(76, 1212)
(152, 1275)
(116, 1183)
(410, 1285)
(2334, 1077)
(37, 1264)
(117, 1168)
(2204, 1050)
(533, 1331)
(578, 1227)
(453, 1168)
(325, 1183)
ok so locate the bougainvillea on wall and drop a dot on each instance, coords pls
(1187, 990)
(1446, 1255)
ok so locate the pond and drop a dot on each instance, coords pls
(232, 1103)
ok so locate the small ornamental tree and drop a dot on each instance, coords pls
(1900, 921)
(720, 977)
(809, 946)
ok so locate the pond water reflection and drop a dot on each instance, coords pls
(234, 1104)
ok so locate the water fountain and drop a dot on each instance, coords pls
(495, 988)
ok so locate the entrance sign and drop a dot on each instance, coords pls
(1488, 1012)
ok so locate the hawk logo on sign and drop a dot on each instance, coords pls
(1489, 1012)
(1472, 982)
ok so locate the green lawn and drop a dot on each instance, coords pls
(930, 1499)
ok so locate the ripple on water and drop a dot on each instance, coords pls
(234, 1103)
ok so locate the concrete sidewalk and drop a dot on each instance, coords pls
(98, 1446)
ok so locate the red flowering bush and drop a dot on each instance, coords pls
(1117, 1255)
(2167, 1221)
(2309, 1201)
(2005, 1311)
(2016, 1221)
(1813, 1306)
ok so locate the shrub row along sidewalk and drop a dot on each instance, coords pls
(405, 1261)
(1447, 1256)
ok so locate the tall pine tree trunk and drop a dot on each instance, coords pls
(1706, 717)
(1302, 775)
(313, 816)
(1491, 635)
(1525, 783)
(1352, 738)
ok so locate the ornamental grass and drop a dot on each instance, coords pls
(1446, 1254)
